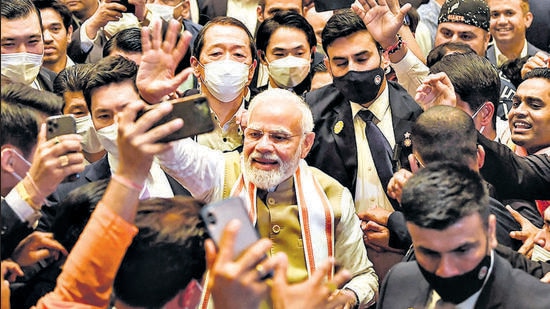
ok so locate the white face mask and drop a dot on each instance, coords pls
(20, 156)
(289, 71)
(90, 141)
(166, 12)
(107, 137)
(21, 67)
(225, 79)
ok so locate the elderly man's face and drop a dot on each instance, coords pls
(274, 143)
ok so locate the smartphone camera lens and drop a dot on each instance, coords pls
(210, 218)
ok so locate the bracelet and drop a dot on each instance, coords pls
(34, 184)
(26, 197)
(126, 182)
(395, 47)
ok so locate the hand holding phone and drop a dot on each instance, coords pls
(195, 112)
(61, 125)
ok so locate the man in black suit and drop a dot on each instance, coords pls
(25, 185)
(445, 205)
(343, 147)
(355, 62)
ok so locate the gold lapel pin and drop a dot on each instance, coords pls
(338, 127)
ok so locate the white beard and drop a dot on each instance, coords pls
(270, 179)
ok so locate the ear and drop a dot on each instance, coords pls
(260, 14)
(185, 9)
(413, 162)
(7, 158)
(261, 56)
(493, 242)
(528, 19)
(308, 143)
(251, 70)
(196, 67)
(487, 112)
(480, 156)
(326, 61)
(69, 34)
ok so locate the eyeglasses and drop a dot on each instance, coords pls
(276, 137)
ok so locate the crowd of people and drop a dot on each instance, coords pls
(389, 153)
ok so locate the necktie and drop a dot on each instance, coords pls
(379, 147)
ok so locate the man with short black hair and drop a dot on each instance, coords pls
(445, 205)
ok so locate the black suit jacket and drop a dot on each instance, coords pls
(506, 288)
(209, 9)
(13, 230)
(45, 79)
(96, 171)
(335, 152)
(513, 176)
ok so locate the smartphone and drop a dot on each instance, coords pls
(329, 5)
(195, 112)
(61, 125)
(130, 8)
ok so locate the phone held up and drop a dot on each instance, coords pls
(61, 125)
(217, 215)
(195, 112)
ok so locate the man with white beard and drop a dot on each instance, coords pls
(307, 214)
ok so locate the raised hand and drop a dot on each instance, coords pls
(381, 22)
(156, 76)
(436, 89)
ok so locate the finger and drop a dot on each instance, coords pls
(211, 253)
(341, 277)
(373, 226)
(171, 35)
(52, 244)
(320, 273)
(145, 39)
(279, 277)
(148, 119)
(519, 235)
(156, 32)
(546, 278)
(182, 76)
(517, 216)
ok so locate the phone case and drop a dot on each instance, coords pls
(216, 216)
(60, 125)
(195, 112)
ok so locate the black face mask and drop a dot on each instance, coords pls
(360, 86)
(458, 288)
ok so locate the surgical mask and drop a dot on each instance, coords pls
(458, 288)
(165, 12)
(90, 140)
(20, 156)
(21, 67)
(360, 86)
(289, 71)
(108, 138)
(225, 79)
